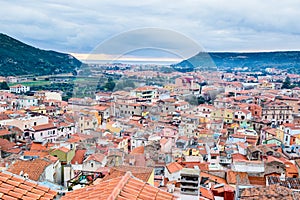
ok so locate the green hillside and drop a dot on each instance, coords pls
(17, 58)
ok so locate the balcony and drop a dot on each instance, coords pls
(184, 180)
(225, 161)
(189, 192)
(192, 187)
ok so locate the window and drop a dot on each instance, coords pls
(41, 133)
(92, 164)
(34, 123)
(214, 157)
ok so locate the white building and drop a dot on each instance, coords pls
(19, 89)
(26, 102)
(94, 162)
(25, 122)
(53, 96)
(248, 166)
(172, 171)
(42, 132)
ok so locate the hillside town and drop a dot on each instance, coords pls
(202, 135)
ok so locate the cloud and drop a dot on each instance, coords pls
(217, 25)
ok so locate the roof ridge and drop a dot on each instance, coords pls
(157, 193)
(142, 187)
(119, 186)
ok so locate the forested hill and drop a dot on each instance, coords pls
(18, 58)
(256, 61)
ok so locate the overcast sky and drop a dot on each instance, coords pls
(217, 25)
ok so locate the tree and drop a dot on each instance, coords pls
(110, 84)
(201, 100)
(286, 83)
(4, 86)
(192, 100)
(121, 85)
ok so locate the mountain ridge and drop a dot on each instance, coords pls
(18, 58)
(254, 61)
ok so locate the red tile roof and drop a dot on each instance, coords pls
(174, 167)
(34, 168)
(43, 127)
(99, 157)
(202, 166)
(213, 177)
(142, 173)
(120, 188)
(204, 192)
(15, 187)
(269, 192)
(4, 132)
(63, 149)
(79, 156)
(40, 147)
(237, 177)
(7, 145)
(256, 180)
(138, 150)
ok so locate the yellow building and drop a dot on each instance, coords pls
(217, 114)
(170, 87)
(279, 134)
(228, 116)
(64, 154)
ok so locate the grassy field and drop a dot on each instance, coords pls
(32, 83)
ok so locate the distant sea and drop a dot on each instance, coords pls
(132, 62)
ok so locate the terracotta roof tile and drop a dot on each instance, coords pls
(79, 156)
(25, 187)
(34, 168)
(7, 197)
(14, 183)
(63, 149)
(138, 150)
(15, 194)
(237, 177)
(43, 127)
(142, 173)
(124, 187)
(174, 167)
(20, 191)
(213, 178)
(6, 145)
(206, 193)
(15, 187)
(96, 157)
